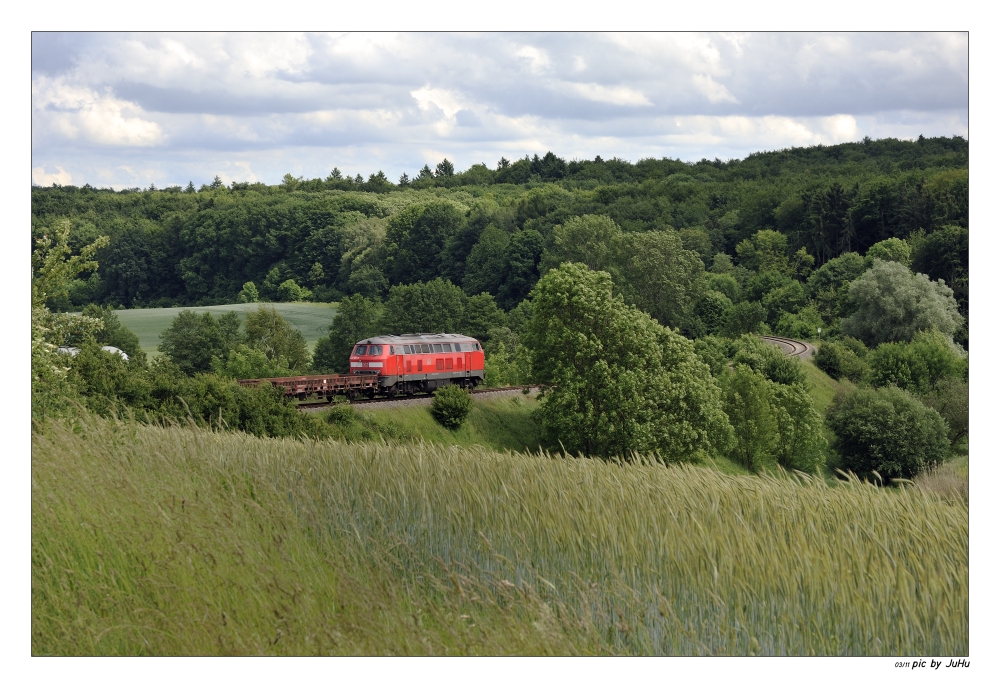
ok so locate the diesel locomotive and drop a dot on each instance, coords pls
(394, 364)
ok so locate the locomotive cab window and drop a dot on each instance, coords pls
(374, 350)
(360, 351)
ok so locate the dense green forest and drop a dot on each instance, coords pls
(487, 230)
(667, 268)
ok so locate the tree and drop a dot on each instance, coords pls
(245, 362)
(192, 340)
(249, 293)
(889, 250)
(918, 365)
(887, 430)
(768, 360)
(289, 291)
(267, 331)
(890, 303)
(741, 318)
(415, 240)
(435, 306)
(444, 169)
(404, 179)
(486, 264)
(217, 183)
(524, 250)
(801, 442)
(481, 315)
(839, 361)
(356, 319)
(615, 382)
(113, 333)
(748, 402)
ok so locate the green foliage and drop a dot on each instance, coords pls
(828, 285)
(802, 325)
(889, 250)
(950, 398)
(714, 352)
(767, 250)
(484, 268)
(416, 238)
(505, 368)
(192, 341)
(768, 360)
(267, 331)
(435, 306)
(801, 444)
(748, 401)
(289, 291)
(357, 318)
(249, 293)
(451, 406)
(840, 362)
(113, 333)
(917, 365)
(742, 318)
(725, 284)
(481, 315)
(616, 382)
(711, 308)
(651, 270)
(887, 430)
(890, 303)
(244, 362)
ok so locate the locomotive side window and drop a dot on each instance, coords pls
(374, 350)
(425, 348)
(437, 348)
(360, 351)
(458, 347)
(447, 348)
(476, 345)
(392, 351)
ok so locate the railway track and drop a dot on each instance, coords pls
(792, 347)
(383, 400)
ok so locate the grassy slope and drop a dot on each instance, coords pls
(312, 319)
(182, 541)
(499, 423)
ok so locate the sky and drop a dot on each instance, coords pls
(130, 110)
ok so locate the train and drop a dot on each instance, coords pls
(392, 365)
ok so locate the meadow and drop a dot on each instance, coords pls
(182, 541)
(312, 319)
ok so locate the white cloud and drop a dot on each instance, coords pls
(712, 90)
(538, 60)
(78, 112)
(447, 101)
(42, 178)
(615, 95)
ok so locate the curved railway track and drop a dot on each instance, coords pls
(383, 400)
(792, 347)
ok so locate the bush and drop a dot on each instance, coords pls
(768, 360)
(950, 398)
(918, 365)
(887, 430)
(838, 361)
(451, 406)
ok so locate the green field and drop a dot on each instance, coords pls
(154, 540)
(312, 319)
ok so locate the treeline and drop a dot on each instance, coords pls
(486, 229)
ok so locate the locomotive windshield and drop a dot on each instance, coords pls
(360, 351)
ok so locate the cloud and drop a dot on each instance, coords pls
(712, 90)
(77, 112)
(186, 106)
(42, 178)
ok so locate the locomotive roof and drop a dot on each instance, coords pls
(418, 337)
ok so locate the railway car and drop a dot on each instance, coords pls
(412, 363)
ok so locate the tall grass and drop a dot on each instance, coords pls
(150, 540)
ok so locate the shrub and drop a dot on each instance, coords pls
(768, 360)
(918, 365)
(451, 406)
(800, 428)
(950, 398)
(887, 430)
(838, 361)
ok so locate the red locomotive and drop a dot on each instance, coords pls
(394, 364)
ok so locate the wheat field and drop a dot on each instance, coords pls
(181, 541)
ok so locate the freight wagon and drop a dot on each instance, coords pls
(395, 364)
